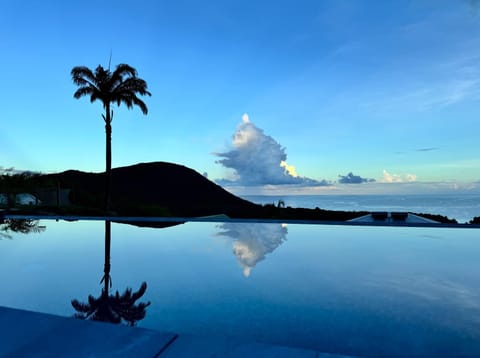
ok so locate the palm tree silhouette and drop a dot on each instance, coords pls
(116, 308)
(119, 86)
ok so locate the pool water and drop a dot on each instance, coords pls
(358, 290)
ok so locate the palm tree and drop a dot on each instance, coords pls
(112, 308)
(119, 86)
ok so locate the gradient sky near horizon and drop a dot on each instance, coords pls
(307, 96)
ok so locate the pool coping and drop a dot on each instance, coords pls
(223, 218)
(29, 333)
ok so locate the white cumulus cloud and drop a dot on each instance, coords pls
(258, 159)
(397, 178)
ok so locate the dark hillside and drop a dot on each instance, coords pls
(153, 188)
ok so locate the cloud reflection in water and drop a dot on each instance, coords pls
(252, 242)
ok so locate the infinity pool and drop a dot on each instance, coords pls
(358, 290)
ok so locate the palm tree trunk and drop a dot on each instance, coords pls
(106, 267)
(108, 156)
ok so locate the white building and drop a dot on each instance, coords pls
(20, 199)
(26, 199)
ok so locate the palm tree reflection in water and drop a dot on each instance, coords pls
(114, 308)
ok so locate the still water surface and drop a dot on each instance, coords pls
(367, 291)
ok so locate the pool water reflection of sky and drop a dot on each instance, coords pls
(367, 291)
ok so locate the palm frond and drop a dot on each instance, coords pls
(83, 91)
(130, 99)
(139, 103)
(124, 70)
(82, 75)
(134, 85)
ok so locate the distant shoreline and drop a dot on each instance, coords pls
(461, 207)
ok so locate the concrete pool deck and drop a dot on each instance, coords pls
(26, 334)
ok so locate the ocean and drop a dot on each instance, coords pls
(462, 207)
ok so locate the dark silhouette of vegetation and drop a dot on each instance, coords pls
(12, 184)
(119, 86)
(113, 308)
(439, 218)
(271, 211)
(23, 226)
(475, 220)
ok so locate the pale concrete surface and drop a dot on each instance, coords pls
(32, 334)
(410, 219)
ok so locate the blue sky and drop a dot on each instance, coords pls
(351, 96)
